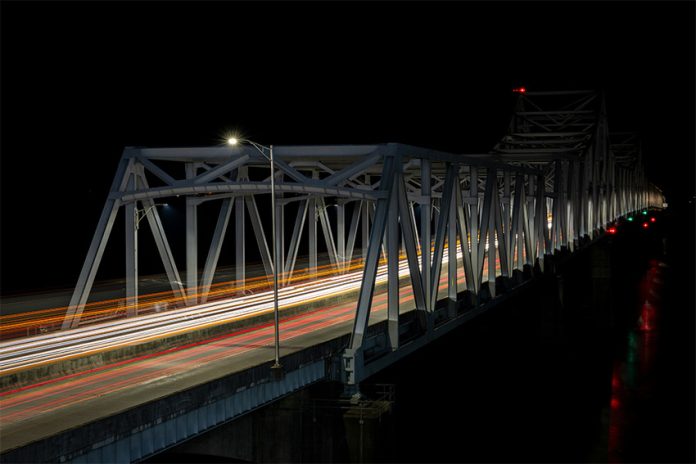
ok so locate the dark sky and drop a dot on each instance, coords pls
(82, 80)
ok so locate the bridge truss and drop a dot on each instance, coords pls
(555, 179)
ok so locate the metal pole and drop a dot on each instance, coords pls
(276, 365)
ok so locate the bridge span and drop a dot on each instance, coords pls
(123, 379)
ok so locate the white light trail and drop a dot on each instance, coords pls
(27, 352)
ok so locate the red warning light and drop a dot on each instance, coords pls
(611, 230)
(645, 225)
(652, 219)
(519, 90)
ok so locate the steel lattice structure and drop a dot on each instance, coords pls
(554, 179)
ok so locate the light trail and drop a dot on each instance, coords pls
(87, 389)
(20, 354)
(60, 399)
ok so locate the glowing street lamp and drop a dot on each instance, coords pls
(262, 149)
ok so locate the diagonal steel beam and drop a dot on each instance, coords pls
(96, 247)
(215, 247)
(295, 240)
(367, 287)
(260, 236)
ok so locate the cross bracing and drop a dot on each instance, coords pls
(556, 177)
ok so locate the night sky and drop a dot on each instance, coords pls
(82, 80)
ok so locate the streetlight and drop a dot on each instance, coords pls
(141, 213)
(262, 149)
(132, 256)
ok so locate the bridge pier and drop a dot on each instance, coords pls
(316, 424)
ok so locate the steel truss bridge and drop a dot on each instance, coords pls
(556, 178)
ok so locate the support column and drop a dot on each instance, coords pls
(530, 238)
(425, 230)
(365, 223)
(312, 229)
(474, 227)
(191, 242)
(131, 254)
(239, 234)
(393, 263)
(508, 238)
(452, 250)
(491, 238)
(341, 234)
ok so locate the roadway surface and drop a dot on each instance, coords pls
(44, 409)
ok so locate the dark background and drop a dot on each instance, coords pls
(82, 80)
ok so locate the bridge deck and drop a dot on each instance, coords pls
(39, 411)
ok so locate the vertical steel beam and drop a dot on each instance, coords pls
(540, 220)
(312, 228)
(595, 192)
(215, 247)
(556, 208)
(564, 202)
(517, 231)
(240, 232)
(408, 227)
(452, 245)
(425, 234)
(501, 236)
(486, 220)
(239, 246)
(476, 258)
(131, 210)
(341, 233)
(367, 286)
(191, 242)
(441, 232)
(530, 236)
(584, 199)
(493, 213)
(462, 213)
(507, 237)
(393, 262)
(365, 222)
(575, 204)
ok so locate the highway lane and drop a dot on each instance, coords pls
(23, 353)
(41, 410)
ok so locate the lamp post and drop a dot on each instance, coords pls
(132, 255)
(141, 213)
(262, 149)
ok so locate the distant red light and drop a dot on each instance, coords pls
(652, 219)
(611, 230)
(645, 225)
(520, 90)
